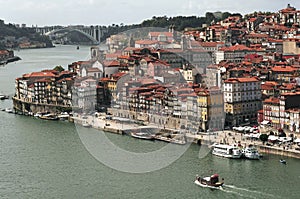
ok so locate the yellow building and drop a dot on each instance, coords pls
(211, 108)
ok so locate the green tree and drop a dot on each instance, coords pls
(225, 15)
(58, 68)
(263, 137)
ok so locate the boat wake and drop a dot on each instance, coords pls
(239, 191)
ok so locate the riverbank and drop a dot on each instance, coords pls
(9, 60)
(174, 136)
(228, 137)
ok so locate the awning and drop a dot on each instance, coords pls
(265, 122)
(297, 140)
(272, 137)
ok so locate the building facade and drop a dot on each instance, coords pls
(242, 100)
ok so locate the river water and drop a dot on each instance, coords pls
(46, 159)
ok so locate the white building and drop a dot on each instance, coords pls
(242, 98)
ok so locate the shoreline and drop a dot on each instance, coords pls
(228, 137)
(10, 60)
(207, 139)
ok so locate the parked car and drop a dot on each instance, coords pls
(227, 128)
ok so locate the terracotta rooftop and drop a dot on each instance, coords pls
(241, 80)
(93, 70)
(146, 42)
(111, 63)
(283, 69)
(211, 44)
(290, 94)
(272, 100)
(39, 74)
(156, 34)
(237, 47)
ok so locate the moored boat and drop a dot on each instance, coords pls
(8, 110)
(38, 114)
(170, 140)
(63, 116)
(4, 97)
(87, 125)
(210, 181)
(49, 117)
(251, 153)
(227, 151)
(142, 135)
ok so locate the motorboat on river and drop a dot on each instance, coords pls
(282, 161)
(210, 181)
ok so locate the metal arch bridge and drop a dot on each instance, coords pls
(94, 33)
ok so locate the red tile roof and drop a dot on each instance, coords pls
(290, 94)
(237, 47)
(39, 74)
(272, 100)
(257, 35)
(118, 75)
(156, 34)
(111, 63)
(146, 42)
(241, 80)
(211, 44)
(284, 69)
(112, 55)
(93, 70)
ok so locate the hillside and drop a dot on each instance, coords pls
(12, 36)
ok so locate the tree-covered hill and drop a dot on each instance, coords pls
(179, 22)
(12, 36)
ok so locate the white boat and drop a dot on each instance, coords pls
(211, 182)
(227, 151)
(37, 114)
(49, 117)
(251, 153)
(282, 161)
(8, 110)
(141, 135)
(63, 116)
(87, 125)
(170, 140)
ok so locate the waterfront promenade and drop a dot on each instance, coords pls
(226, 136)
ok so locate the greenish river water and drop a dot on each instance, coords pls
(46, 159)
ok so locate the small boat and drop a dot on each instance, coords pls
(8, 110)
(210, 182)
(251, 153)
(38, 114)
(77, 48)
(141, 135)
(282, 161)
(86, 125)
(170, 140)
(63, 116)
(4, 97)
(49, 117)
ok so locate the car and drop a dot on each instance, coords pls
(227, 128)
